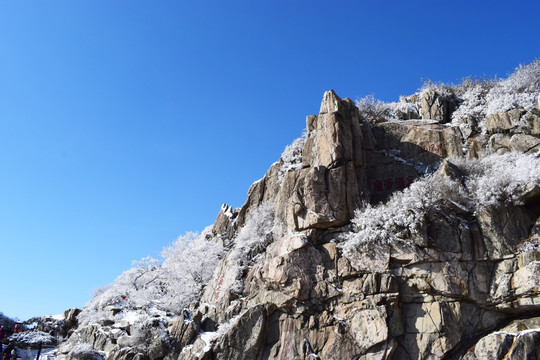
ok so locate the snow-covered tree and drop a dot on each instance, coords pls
(188, 265)
(520, 90)
(292, 156)
(373, 110)
(500, 179)
(402, 216)
(256, 232)
(492, 180)
(472, 101)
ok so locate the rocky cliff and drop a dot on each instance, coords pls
(371, 238)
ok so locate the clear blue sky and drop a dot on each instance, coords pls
(124, 124)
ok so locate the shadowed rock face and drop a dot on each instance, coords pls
(459, 289)
(435, 106)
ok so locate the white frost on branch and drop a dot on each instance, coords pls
(519, 90)
(500, 179)
(292, 156)
(493, 180)
(188, 265)
(402, 215)
(257, 231)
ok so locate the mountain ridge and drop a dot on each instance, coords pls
(407, 230)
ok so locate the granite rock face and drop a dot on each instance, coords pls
(435, 106)
(465, 286)
(434, 298)
(514, 130)
(331, 183)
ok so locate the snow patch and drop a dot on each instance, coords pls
(58, 317)
(209, 337)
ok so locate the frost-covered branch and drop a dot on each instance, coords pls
(188, 265)
(292, 156)
(493, 180)
(257, 231)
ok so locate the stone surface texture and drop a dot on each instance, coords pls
(434, 299)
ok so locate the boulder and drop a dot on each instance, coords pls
(502, 143)
(503, 121)
(526, 282)
(425, 141)
(447, 169)
(122, 324)
(474, 146)
(368, 325)
(225, 224)
(84, 352)
(127, 353)
(263, 190)
(330, 186)
(387, 174)
(515, 121)
(518, 340)
(467, 130)
(499, 143)
(406, 150)
(494, 346)
(186, 327)
(200, 349)
(159, 348)
(70, 319)
(531, 122)
(524, 143)
(436, 107)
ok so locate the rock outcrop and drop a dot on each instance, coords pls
(435, 106)
(514, 130)
(434, 297)
(464, 285)
(59, 326)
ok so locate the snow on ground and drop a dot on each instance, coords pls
(30, 354)
(132, 317)
(209, 337)
(58, 317)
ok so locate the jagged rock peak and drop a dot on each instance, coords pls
(338, 134)
(225, 224)
(227, 210)
(330, 102)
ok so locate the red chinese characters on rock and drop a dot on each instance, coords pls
(388, 184)
(435, 148)
(286, 348)
(218, 289)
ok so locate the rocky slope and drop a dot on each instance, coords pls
(459, 281)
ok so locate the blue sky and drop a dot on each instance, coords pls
(124, 124)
